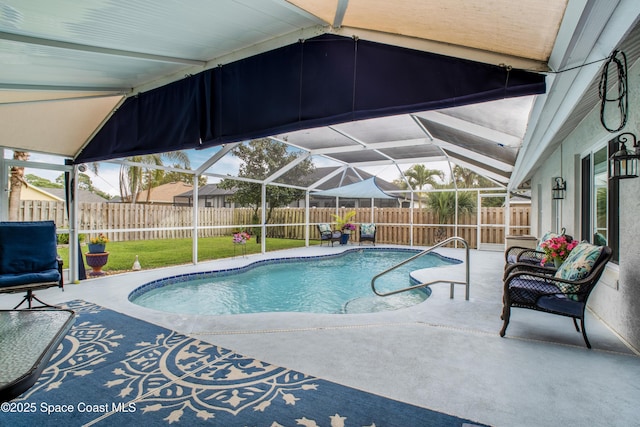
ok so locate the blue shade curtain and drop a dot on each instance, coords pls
(316, 82)
(170, 118)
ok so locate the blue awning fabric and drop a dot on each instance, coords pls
(320, 81)
(367, 189)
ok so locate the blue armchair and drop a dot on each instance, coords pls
(29, 259)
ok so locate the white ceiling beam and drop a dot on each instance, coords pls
(233, 177)
(399, 161)
(110, 90)
(471, 128)
(35, 165)
(362, 143)
(286, 168)
(216, 157)
(489, 161)
(61, 99)
(372, 146)
(341, 9)
(151, 166)
(37, 41)
(477, 169)
(327, 177)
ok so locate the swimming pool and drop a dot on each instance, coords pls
(322, 284)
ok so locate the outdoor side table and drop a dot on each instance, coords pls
(28, 339)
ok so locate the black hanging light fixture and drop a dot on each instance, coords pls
(558, 188)
(624, 163)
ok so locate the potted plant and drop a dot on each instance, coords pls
(97, 256)
(346, 232)
(98, 244)
(343, 224)
(342, 220)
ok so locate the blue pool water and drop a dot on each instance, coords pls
(324, 284)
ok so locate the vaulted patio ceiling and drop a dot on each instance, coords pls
(522, 30)
(68, 65)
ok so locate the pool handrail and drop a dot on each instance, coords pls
(422, 285)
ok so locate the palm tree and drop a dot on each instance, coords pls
(419, 177)
(135, 179)
(444, 205)
(466, 178)
(16, 182)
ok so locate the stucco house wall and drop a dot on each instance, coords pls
(616, 299)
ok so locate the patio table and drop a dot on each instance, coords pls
(28, 340)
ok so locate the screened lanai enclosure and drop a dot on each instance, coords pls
(344, 90)
(367, 166)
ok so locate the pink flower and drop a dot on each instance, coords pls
(557, 249)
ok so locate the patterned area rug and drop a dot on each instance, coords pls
(112, 369)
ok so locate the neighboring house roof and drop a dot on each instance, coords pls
(522, 198)
(208, 190)
(31, 192)
(84, 196)
(164, 193)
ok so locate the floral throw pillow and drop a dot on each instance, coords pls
(324, 228)
(367, 229)
(578, 264)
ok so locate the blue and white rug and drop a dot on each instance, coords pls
(112, 369)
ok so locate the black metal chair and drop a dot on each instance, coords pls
(328, 235)
(556, 292)
(29, 259)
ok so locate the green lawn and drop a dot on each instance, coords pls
(163, 253)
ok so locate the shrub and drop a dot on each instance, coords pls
(63, 239)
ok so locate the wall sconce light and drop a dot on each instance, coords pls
(558, 188)
(624, 163)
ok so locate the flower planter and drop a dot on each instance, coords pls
(96, 248)
(344, 238)
(96, 262)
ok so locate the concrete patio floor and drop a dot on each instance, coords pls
(443, 354)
